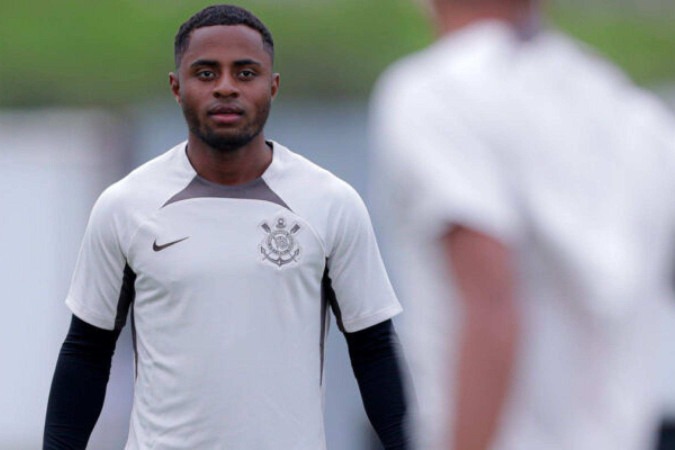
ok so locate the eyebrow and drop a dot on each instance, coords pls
(214, 63)
(247, 62)
(205, 62)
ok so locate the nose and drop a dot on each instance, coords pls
(226, 87)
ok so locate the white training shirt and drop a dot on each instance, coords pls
(229, 288)
(551, 150)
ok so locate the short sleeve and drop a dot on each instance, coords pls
(434, 151)
(97, 285)
(363, 294)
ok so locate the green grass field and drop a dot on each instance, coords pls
(115, 52)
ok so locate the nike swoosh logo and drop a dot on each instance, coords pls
(159, 248)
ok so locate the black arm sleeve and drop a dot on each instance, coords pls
(378, 367)
(79, 385)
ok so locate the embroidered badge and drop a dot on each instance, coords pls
(280, 246)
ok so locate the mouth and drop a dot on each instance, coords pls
(225, 109)
(225, 113)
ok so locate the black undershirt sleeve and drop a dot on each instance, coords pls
(378, 366)
(79, 385)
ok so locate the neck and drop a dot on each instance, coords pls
(230, 167)
(451, 16)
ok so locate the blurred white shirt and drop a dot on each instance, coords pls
(550, 149)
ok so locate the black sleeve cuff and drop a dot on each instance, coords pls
(79, 385)
(378, 367)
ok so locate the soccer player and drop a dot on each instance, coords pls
(228, 250)
(529, 186)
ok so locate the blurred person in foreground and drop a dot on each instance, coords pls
(529, 186)
(228, 249)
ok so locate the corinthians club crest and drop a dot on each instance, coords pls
(280, 246)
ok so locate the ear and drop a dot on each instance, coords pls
(276, 78)
(174, 82)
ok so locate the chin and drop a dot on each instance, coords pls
(227, 143)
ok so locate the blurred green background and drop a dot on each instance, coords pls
(113, 52)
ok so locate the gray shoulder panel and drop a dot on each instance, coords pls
(201, 188)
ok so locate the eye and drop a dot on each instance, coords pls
(206, 75)
(246, 74)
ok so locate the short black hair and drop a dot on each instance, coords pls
(220, 15)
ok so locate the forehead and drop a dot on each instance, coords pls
(225, 43)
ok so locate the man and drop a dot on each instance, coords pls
(529, 186)
(227, 250)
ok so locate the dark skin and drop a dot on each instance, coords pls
(225, 84)
(483, 268)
